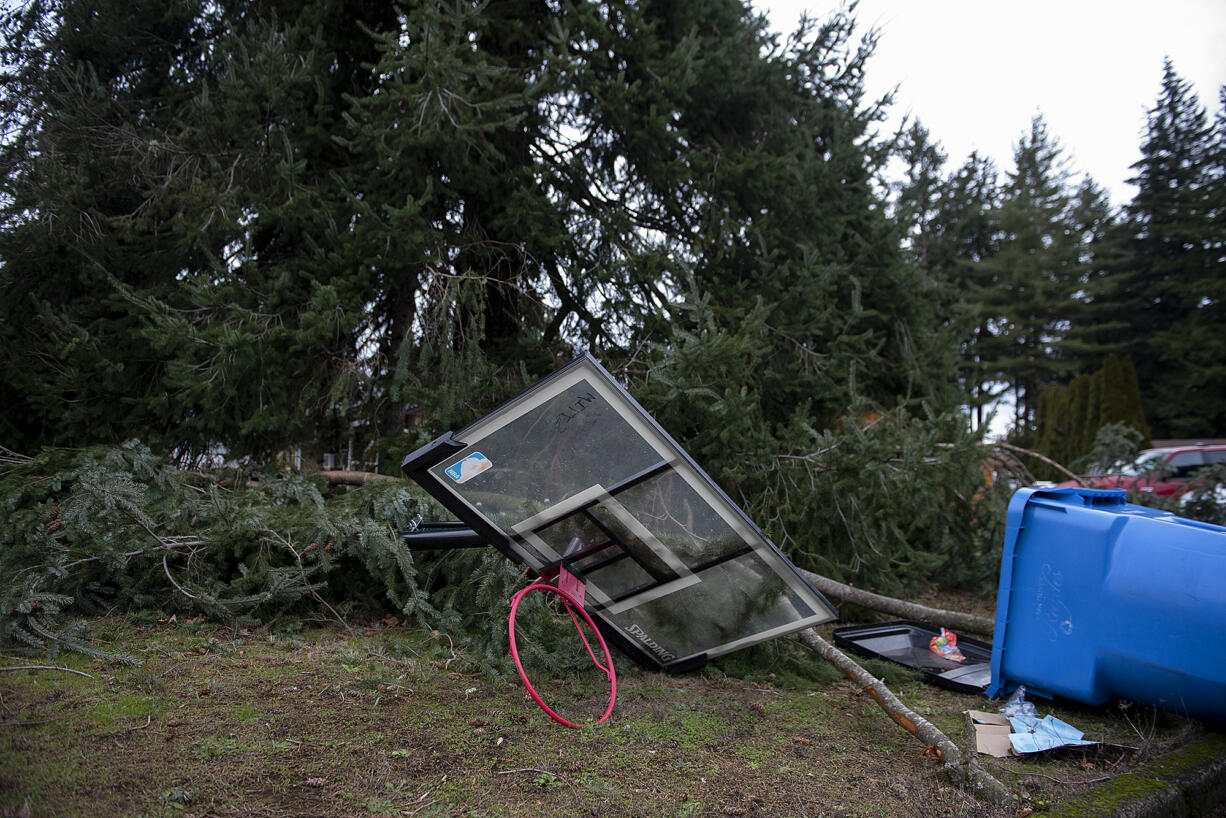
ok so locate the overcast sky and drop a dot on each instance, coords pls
(976, 71)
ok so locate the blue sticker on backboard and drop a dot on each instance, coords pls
(469, 467)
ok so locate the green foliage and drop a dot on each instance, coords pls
(234, 229)
(547, 780)
(1031, 280)
(965, 233)
(891, 498)
(1207, 502)
(1071, 420)
(169, 223)
(1114, 444)
(117, 529)
(1169, 295)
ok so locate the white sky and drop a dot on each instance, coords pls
(976, 71)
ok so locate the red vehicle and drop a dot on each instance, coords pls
(1163, 471)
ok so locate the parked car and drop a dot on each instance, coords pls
(1164, 471)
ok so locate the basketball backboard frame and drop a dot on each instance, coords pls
(621, 485)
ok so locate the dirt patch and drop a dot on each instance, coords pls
(390, 722)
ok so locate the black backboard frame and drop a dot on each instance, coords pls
(524, 545)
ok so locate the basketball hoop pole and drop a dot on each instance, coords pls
(571, 589)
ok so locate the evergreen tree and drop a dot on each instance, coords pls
(810, 367)
(1094, 330)
(1097, 328)
(1037, 272)
(846, 322)
(1069, 419)
(1217, 174)
(969, 237)
(1053, 427)
(615, 157)
(318, 213)
(920, 198)
(1172, 295)
(170, 221)
(1121, 402)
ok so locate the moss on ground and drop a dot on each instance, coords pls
(1188, 781)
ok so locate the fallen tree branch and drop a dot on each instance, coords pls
(7, 455)
(356, 478)
(1000, 444)
(168, 544)
(954, 620)
(964, 769)
(340, 477)
(46, 667)
(306, 583)
(182, 590)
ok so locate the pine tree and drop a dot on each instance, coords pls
(118, 528)
(1171, 296)
(1095, 330)
(810, 366)
(81, 100)
(969, 237)
(1053, 427)
(329, 211)
(1035, 276)
(919, 202)
(170, 223)
(1121, 402)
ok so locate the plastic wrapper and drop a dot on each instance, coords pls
(1016, 705)
(945, 645)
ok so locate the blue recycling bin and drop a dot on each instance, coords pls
(1101, 600)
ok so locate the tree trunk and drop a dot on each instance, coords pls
(964, 769)
(953, 620)
(355, 478)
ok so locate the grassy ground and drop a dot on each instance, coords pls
(386, 721)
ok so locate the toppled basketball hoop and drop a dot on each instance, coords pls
(573, 474)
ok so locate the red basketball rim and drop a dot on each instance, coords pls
(572, 605)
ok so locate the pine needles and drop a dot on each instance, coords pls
(109, 529)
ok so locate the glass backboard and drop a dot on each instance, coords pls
(574, 471)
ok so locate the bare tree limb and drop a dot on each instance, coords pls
(45, 667)
(182, 590)
(356, 478)
(964, 769)
(1000, 444)
(7, 455)
(305, 581)
(954, 620)
(168, 544)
